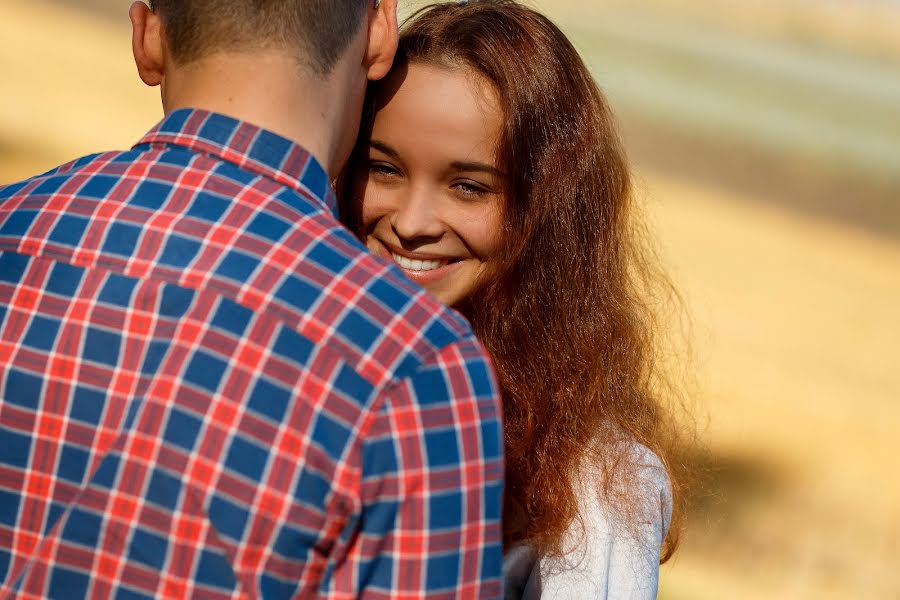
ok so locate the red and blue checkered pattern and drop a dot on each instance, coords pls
(208, 388)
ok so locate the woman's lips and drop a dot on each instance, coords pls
(423, 269)
(412, 264)
(427, 278)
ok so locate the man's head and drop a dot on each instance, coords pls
(321, 30)
(296, 67)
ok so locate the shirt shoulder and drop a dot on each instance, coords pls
(24, 186)
(268, 243)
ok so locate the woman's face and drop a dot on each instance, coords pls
(431, 190)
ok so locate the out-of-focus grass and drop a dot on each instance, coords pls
(797, 332)
(859, 27)
(796, 323)
(789, 98)
(814, 128)
(69, 86)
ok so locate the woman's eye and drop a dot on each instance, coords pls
(470, 188)
(382, 169)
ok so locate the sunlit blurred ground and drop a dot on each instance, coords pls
(796, 320)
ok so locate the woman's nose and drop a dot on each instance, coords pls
(416, 217)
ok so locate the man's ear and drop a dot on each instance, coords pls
(383, 39)
(147, 43)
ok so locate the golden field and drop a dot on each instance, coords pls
(796, 321)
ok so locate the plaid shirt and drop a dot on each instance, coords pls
(208, 388)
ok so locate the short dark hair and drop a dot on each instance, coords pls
(320, 29)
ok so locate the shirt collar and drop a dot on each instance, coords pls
(248, 146)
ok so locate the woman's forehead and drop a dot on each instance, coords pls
(433, 105)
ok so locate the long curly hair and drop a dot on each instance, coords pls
(569, 317)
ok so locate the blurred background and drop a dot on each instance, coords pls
(766, 141)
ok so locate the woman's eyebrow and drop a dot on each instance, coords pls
(469, 167)
(386, 149)
(476, 167)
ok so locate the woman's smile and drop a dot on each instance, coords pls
(424, 268)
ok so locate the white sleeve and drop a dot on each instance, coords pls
(609, 560)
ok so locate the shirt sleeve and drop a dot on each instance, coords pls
(611, 561)
(431, 485)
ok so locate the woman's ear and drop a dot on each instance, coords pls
(147, 43)
(383, 39)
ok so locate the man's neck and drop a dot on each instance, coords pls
(271, 91)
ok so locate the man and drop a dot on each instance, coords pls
(207, 387)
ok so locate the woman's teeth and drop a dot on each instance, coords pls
(417, 265)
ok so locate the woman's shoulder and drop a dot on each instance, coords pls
(622, 523)
(652, 487)
(611, 552)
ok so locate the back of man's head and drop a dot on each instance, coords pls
(319, 29)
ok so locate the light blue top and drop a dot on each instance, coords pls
(609, 560)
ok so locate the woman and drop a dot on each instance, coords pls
(491, 173)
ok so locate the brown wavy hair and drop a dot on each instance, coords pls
(569, 317)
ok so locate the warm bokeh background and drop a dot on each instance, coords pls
(766, 138)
